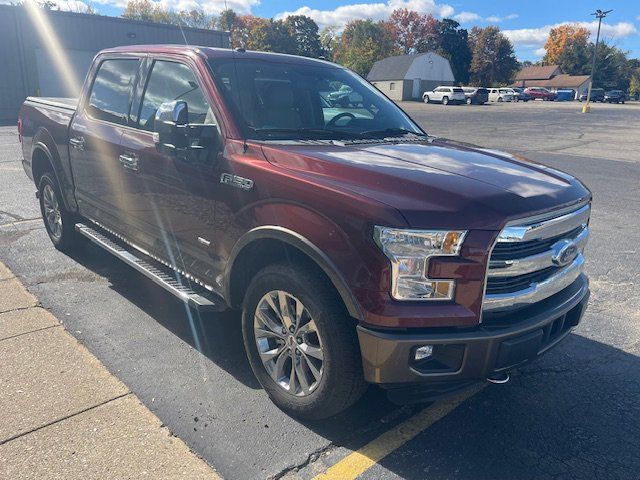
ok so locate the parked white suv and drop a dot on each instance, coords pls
(444, 95)
(502, 95)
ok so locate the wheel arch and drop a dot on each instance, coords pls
(44, 159)
(264, 245)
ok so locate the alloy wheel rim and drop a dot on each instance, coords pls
(52, 213)
(289, 343)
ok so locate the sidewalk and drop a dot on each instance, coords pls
(64, 416)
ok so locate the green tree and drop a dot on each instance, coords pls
(493, 60)
(271, 36)
(363, 42)
(304, 32)
(454, 46)
(148, 11)
(196, 18)
(330, 40)
(611, 67)
(227, 20)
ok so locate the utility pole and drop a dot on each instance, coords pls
(599, 14)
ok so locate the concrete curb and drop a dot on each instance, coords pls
(64, 415)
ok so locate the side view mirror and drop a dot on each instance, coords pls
(170, 128)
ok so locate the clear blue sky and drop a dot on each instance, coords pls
(525, 22)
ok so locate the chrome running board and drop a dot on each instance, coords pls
(191, 294)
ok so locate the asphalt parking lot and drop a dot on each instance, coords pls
(572, 415)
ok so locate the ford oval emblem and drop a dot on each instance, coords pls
(564, 252)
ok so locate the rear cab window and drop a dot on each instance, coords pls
(110, 95)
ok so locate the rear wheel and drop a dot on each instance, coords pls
(426, 99)
(445, 100)
(500, 99)
(469, 101)
(58, 221)
(301, 343)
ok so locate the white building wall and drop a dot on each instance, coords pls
(430, 66)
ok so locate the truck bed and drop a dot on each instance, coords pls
(60, 102)
(46, 120)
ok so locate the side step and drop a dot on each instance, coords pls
(193, 295)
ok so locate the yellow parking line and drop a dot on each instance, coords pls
(358, 462)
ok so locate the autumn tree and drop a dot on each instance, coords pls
(363, 42)
(408, 28)
(567, 46)
(493, 61)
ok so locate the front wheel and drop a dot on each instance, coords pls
(58, 221)
(301, 343)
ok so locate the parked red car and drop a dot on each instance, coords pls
(357, 247)
(542, 93)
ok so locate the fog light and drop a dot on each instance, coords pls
(423, 352)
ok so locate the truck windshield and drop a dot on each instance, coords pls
(288, 101)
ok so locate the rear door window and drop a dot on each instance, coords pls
(111, 90)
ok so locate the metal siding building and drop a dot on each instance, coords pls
(406, 77)
(27, 62)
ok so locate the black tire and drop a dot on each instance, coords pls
(445, 100)
(500, 99)
(60, 226)
(341, 383)
(426, 99)
(469, 101)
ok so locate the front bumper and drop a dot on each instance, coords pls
(465, 356)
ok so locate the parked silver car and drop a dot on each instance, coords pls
(501, 95)
(444, 95)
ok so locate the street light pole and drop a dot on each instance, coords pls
(599, 14)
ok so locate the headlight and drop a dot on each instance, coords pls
(409, 252)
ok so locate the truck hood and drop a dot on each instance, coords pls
(438, 184)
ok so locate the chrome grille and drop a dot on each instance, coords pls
(537, 257)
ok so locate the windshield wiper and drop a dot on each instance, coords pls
(305, 131)
(391, 132)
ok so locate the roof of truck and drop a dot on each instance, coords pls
(212, 52)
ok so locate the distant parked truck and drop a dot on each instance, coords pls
(615, 96)
(597, 95)
(444, 95)
(476, 95)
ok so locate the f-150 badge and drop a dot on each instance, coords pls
(236, 181)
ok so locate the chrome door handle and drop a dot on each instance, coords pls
(77, 143)
(129, 161)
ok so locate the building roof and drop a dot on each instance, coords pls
(396, 68)
(537, 72)
(559, 81)
(391, 68)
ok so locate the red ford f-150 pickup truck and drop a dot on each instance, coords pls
(359, 248)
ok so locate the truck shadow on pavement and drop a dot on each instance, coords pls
(572, 414)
